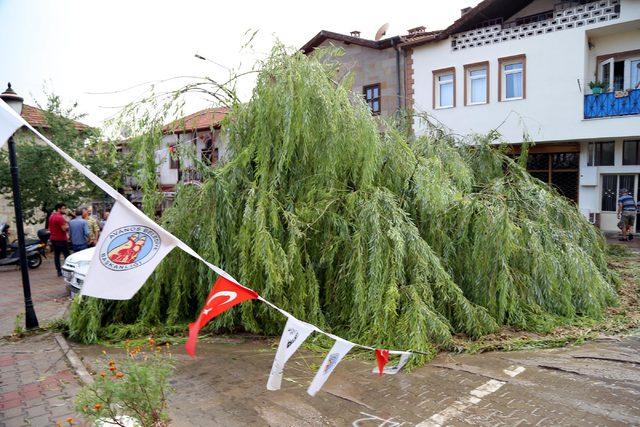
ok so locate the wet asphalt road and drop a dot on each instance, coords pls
(594, 384)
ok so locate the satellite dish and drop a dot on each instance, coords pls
(382, 31)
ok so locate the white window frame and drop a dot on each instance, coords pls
(628, 71)
(470, 79)
(506, 72)
(611, 63)
(438, 84)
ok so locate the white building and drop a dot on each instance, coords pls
(523, 67)
(199, 132)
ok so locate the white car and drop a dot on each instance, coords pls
(75, 269)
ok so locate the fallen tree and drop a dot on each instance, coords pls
(381, 238)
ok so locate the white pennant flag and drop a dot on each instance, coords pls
(338, 351)
(294, 334)
(10, 121)
(130, 247)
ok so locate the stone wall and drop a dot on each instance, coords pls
(369, 66)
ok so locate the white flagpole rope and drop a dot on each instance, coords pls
(179, 243)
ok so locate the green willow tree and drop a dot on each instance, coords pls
(46, 178)
(384, 239)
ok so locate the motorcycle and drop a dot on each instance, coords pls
(35, 249)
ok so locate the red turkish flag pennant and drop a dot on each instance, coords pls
(382, 356)
(224, 295)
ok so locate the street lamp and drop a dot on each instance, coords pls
(15, 102)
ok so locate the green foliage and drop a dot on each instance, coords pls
(135, 387)
(383, 239)
(45, 177)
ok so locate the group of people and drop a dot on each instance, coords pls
(83, 231)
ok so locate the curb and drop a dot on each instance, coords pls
(74, 360)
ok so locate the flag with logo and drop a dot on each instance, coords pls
(383, 359)
(294, 334)
(10, 121)
(224, 295)
(338, 351)
(130, 247)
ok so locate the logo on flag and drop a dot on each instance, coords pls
(129, 247)
(332, 360)
(293, 336)
(338, 351)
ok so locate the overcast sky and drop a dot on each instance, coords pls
(80, 48)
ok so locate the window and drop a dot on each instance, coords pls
(605, 73)
(619, 71)
(207, 151)
(444, 88)
(631, 153)
(215, 156)
(372, 97)
(174, 160)
(635, 74)
(611, 186)
(476, 83)
(609, 192)
(512, 78)
(601, 153)
(559, 170)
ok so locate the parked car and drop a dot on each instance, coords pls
(75, 269)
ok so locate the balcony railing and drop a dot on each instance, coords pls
(608, 105)
(190, 175)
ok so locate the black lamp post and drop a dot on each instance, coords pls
(15, 102)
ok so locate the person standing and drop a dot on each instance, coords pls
(94, 228)
(627, 209)
(105, 217)
(79, 231)
(58, 227)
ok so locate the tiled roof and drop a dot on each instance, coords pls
(36, 117)
(414, 36)
(330, 35)
(203, 119)
(418, 37)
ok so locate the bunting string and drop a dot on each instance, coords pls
(126, 246)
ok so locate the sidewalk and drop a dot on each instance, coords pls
(37, 385)
(633, 245)
(48, 291)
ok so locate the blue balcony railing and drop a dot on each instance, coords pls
(607, 105)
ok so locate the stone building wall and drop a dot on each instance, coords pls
(370, 66)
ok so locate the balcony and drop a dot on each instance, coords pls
(189, 175)
(566, 16)
(608, 105)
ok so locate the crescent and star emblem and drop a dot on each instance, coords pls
(230, 297)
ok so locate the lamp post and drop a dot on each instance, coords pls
(15, 102)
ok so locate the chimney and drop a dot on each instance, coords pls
(464, 10)
(417, 30)
(355, 33)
